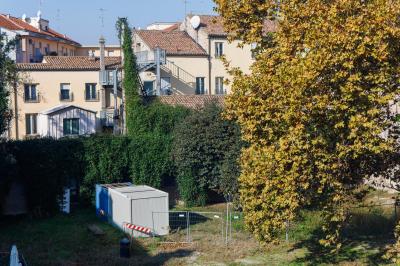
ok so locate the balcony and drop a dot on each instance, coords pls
(107, 117)
(66, 96)
(148, 59)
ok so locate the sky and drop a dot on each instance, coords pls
(82, 19)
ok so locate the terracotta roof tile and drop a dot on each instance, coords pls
(70, 63)
(13, 23)
(174, 42)
(192, 101)
(214, 26)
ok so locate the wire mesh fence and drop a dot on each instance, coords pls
(178, 228)
(228, 227)
(206, 227)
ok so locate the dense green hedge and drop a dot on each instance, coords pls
(206, 151)
(44, 166)
(202, 153)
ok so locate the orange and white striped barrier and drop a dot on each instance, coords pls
(138, 228)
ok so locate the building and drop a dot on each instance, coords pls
(181, 61)
(193, 51)
(90, 50)
(69, 88)
(35, 38)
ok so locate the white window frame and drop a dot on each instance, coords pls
(92, 97)
(28, 98)
(62, 88)
(219, 49)
(200, 86)
(32, 124)
(219, 86)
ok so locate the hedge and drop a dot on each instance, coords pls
(206, 151)
(44, 166)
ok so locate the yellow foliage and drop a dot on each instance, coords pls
(314, 107)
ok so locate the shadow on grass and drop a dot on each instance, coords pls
(366, 237)
(162, 257)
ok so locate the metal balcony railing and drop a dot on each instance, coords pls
(34, 99)
(92, 99)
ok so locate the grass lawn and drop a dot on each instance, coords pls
(66, 240)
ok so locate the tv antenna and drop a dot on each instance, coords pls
(41, 4)
(102, 10)
(58, 18)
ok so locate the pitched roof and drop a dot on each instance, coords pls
(63, 107)
(214, 26)
(174, 42)
(13, 23)
(71, 63)
(192, 101)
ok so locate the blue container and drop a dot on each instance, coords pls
(102, 202)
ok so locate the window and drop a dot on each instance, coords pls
(219, 85)
(47, 49)
(253, 50)
(31, 124)
(71, 126)
(65, 94)
(200, 87)
(111, 53)
(30, 93)
(219, 49)
(90, 92)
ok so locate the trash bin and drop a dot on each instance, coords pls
(124, 248)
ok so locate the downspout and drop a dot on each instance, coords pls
(209, 65)
(102, 43)
(16, 111)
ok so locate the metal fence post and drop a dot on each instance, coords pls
(188, 227)
(227, 223)
(152, 218)
(287, 231)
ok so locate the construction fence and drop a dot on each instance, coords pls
(228, 227)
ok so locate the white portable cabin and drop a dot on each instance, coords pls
(136, 205)
(51, 121)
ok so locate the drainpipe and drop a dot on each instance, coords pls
(209, 65)
(102, 43)
(16, 112)
(158, 70)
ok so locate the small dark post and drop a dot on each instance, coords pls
(124, 248)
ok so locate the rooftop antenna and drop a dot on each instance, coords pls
(40, 5)
(58, 18)
(184, 18)
(102, 10)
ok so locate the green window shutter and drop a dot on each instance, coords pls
(75, 126)
(66, 130)
(28, 124)
(87, 90)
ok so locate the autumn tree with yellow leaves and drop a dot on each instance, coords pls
(315, 106)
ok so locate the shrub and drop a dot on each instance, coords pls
(44, 166)
(106, 160)
(206, 150)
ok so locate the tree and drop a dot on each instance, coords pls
(314, 107)
(8, 77)
(130, 76)
(206, 151)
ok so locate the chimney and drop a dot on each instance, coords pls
(102, 42)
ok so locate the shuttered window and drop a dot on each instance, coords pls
(71, 126)
(31, 124)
